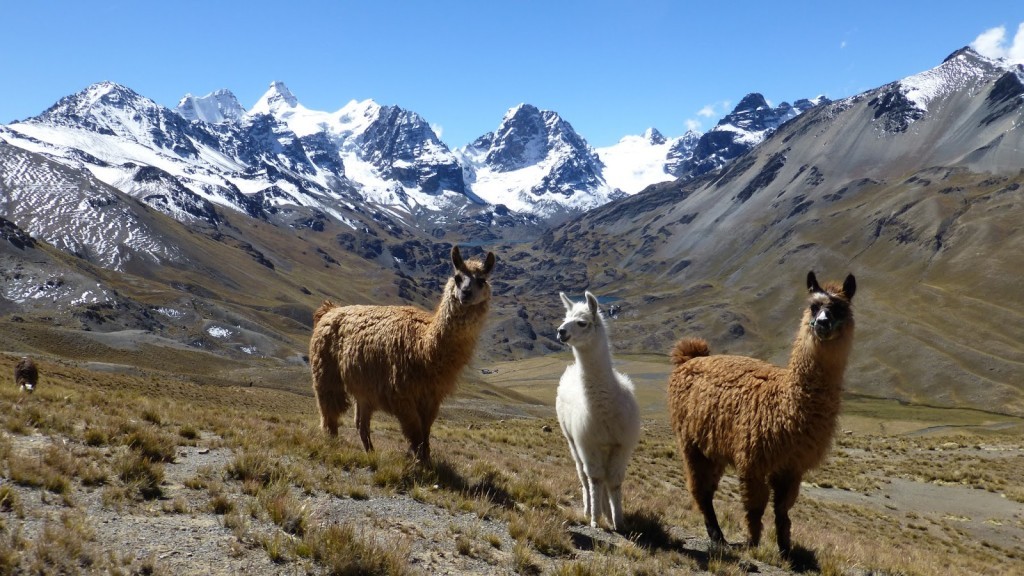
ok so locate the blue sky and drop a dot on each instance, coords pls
(610, 68)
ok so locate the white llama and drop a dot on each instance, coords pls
(597, 411)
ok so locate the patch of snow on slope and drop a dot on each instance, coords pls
(635, 163)
(953, 75)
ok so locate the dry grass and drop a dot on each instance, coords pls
(119, 434)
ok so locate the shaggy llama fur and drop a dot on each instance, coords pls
(399, 359)
(26, 375)
(597, 412)
(771, 424)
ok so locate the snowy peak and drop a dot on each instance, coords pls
(746, 126)
(536, 162)
(753, 114)
(653, 137)
(276, 100)
(403, 146)
(527, 135)
(215, 107)
(95, 100)
(520, 140)
(959, 70)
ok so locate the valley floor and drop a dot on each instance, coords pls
(146, 472)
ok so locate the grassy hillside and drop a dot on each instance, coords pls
(121, 467)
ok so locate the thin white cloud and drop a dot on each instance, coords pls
(993, 43)
(438, 130)
(707, 111)
(694, 125)
(842, 45)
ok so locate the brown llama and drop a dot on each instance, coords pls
(26, 375)
(771, 424)
(399, 359)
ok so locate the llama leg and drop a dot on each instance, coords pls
(754, 491)
(331, 395)
(412, 429)
(616, 475)
(363, 415)
(702, 477)
(582, 475)
(427, 416)
(786, 487)
(598, 499)
(615, 502)
(594, 467)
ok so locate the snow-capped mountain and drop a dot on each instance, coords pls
(392, 155)
(636, 162)
(215, 107)
(750, 122)
(536, 162)
(292, 166)
(183, 167)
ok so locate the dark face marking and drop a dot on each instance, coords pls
(471, 285)
(827, 314)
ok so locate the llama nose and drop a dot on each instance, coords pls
(562, 335)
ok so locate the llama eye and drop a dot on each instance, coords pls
(582, 324)
(815, 308)
(458, 278)
(480, 282)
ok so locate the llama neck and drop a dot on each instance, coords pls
(819, 366)
(595, 361)
(454, 329)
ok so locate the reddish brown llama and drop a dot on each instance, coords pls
(771, 424)
(399, 359)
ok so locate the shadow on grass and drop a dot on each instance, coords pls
(488, 487)
(803, 560)
(646, 530)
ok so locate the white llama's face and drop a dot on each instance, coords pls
(582, 322)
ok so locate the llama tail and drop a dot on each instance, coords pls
(323, 309)
(688, 349)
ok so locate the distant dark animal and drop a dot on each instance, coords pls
(26, 375)
(771, 424)
(399, 359)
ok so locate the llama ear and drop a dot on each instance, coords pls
(812, 283)
(592, 303)
(565, 301)
(488, 263)
(457, 261)
(849, 286)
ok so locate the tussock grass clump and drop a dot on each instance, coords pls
(65, 547)
(188, 432)
(220, 503)
(140, 474)
(344, 551)
(285, 510)
(10, 501)
(95, 436)
(151, 443)
(255, 469)
(543, 530)
(34, 472)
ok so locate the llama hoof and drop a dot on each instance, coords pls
(593, 523)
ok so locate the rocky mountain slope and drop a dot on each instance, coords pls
(915, 187)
